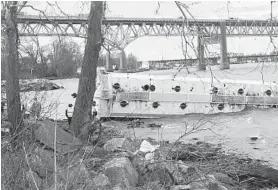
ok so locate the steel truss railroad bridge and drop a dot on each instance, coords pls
(119, 32)
(236, 59)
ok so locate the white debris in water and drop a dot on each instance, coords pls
(250, 120)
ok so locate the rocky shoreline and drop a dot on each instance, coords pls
(33, 85)
(118, 162)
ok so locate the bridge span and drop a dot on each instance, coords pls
(122, 31)
(119, 32)
(236, 59)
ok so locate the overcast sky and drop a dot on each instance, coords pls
(153, 48)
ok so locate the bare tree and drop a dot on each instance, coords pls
(12, 65)
(86, 88)
(132, 62)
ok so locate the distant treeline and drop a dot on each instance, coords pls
(57, 60)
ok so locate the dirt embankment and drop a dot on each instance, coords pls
(106, 159)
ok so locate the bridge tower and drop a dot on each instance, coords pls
(109, 66)
(123, 63)
(224, 63)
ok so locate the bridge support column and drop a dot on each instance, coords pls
(109, 66)
(201, 54)
(123, 63)
(224, 63)
(214, 61)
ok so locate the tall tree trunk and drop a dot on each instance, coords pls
(12, 67)
(87, 81)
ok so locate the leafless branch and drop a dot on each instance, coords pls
(21, 6)
(158, 7)
(228, 8)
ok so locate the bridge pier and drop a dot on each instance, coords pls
(201, 53)
(123, 64)
(224, 63)
(214, 61)
(245, 59)
(109, 66)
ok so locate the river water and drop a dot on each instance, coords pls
(232, 130)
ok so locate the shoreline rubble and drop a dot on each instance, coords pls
(123, 163)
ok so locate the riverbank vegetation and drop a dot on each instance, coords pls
(108, 159)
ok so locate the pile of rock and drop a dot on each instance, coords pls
(34, 85)
(123, 163)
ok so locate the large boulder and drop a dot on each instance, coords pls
(101, 182)
(166, 173)
(78, 177)
(156, 173)
(213, 184)
(42, 162)
(225, 180)
(65, 142)
(207, 182)
(94, 151)
(139, 163)
(120, 143)
(174, 172)
(121, 171)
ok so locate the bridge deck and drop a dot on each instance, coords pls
(119, 32)
(147, 21)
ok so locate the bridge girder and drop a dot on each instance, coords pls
(119, 32)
